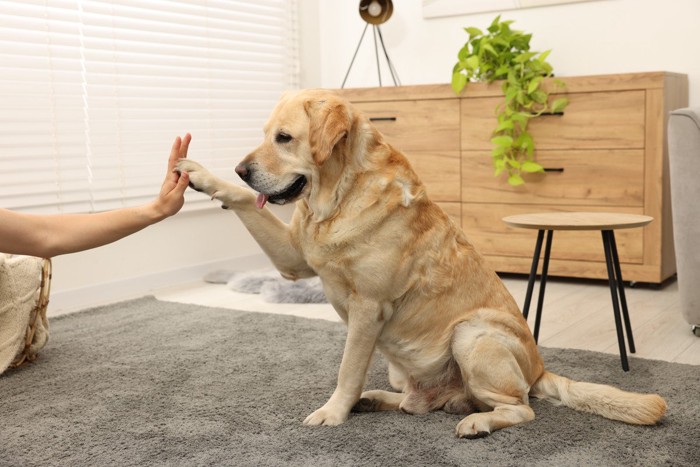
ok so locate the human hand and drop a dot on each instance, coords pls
(171, 197)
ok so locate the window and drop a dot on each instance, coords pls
(93, 93)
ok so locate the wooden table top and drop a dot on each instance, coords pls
(577, 220)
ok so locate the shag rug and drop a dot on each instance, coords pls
(271, 286)
(154, 383)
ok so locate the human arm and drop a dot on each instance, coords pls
(51, 235)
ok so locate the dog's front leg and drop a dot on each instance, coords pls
(364, 327)
(273, 235)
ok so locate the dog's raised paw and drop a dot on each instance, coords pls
(199, 176)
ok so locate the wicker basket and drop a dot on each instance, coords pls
(37, 319)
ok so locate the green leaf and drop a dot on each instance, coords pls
(520, 118)
(473, 62)
(473, 32)
(531, 167)
(489, 48)
(530, 146)
(494, 24)
(502, 71)
(559, 104)
(510, 94)
(463, 53)
(504, 125)
(543, 56)
(499, 151)
(539, 96)
(459, 80)
(546, 69)
(504, 140)
(524, 57)
(534, 84)
(515, 180)
(525, 142)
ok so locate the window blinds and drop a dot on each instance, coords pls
(92, 93)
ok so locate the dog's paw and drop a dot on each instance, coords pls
(326, 416)
(230, 195)
(200, 178)
(473, 427)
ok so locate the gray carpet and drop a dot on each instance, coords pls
(155, 383)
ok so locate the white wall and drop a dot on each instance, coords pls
(597, 37)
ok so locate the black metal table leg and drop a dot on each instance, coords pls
(533, 273)
(621, 288)
(607, 246)
(543, 284)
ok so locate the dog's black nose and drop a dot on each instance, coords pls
(243, 172)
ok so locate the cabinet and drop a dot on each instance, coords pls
(606, 152)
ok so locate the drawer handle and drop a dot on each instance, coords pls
(554, 169)
(382, 119)
(552, 114)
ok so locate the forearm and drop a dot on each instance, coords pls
(52, 235)
(77, 232)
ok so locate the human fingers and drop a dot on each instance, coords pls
(184, 147)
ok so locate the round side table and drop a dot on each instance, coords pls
(607, 223)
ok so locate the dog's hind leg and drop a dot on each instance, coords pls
(495, 380)
(397, 378)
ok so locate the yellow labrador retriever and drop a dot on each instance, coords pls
(400, 273)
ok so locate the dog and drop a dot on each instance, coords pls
(399, 272)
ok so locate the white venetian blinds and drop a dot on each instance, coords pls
(92, 93)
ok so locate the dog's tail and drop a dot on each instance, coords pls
(607, 401)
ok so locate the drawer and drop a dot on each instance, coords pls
(595, 120)
(418, 125)
(491, 236)
(580, 177)
(440, 173)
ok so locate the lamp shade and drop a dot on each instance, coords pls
(376, 11)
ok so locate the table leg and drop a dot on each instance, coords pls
(543, 283)
(533, 273)
(621, 288)
(607, 246)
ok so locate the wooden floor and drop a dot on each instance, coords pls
(576, 314)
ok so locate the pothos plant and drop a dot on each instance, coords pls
(504, 54)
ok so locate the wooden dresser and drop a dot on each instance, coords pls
(607, 152)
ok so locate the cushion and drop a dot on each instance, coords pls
(23, 323)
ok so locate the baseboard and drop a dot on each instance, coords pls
(69, 301)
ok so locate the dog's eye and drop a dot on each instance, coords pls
(283, 138)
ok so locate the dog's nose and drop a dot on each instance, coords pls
(243, 172)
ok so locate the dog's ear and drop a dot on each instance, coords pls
(329, 122)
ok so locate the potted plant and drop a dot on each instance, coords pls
(504, 54)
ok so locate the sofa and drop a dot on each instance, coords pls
(684, 161)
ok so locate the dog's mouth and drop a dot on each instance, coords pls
(285, 196)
